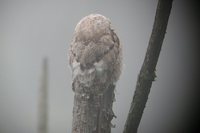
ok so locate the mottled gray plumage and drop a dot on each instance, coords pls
(95, 58)
(95, 51)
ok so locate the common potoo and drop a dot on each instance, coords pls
(95, 52)
(95, 57)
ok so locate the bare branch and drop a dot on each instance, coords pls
(147, 72)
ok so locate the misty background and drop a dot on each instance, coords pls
(32, 30)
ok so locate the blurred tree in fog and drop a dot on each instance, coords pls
(43, 99)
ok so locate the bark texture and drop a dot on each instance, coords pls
(147, 72)
(95, 60)
(92, 112)
(43, 100)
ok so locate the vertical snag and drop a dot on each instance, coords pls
(43, 99)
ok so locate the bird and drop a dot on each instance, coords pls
(95, 52)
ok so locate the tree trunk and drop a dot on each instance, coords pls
(147, 72)
(92, 112)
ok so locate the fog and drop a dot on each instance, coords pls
(32, 30)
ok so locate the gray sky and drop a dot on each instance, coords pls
(31, 30)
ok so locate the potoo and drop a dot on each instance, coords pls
(95, 57)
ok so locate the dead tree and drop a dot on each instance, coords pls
(95, 60)
(147, 72)
(43, 99)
